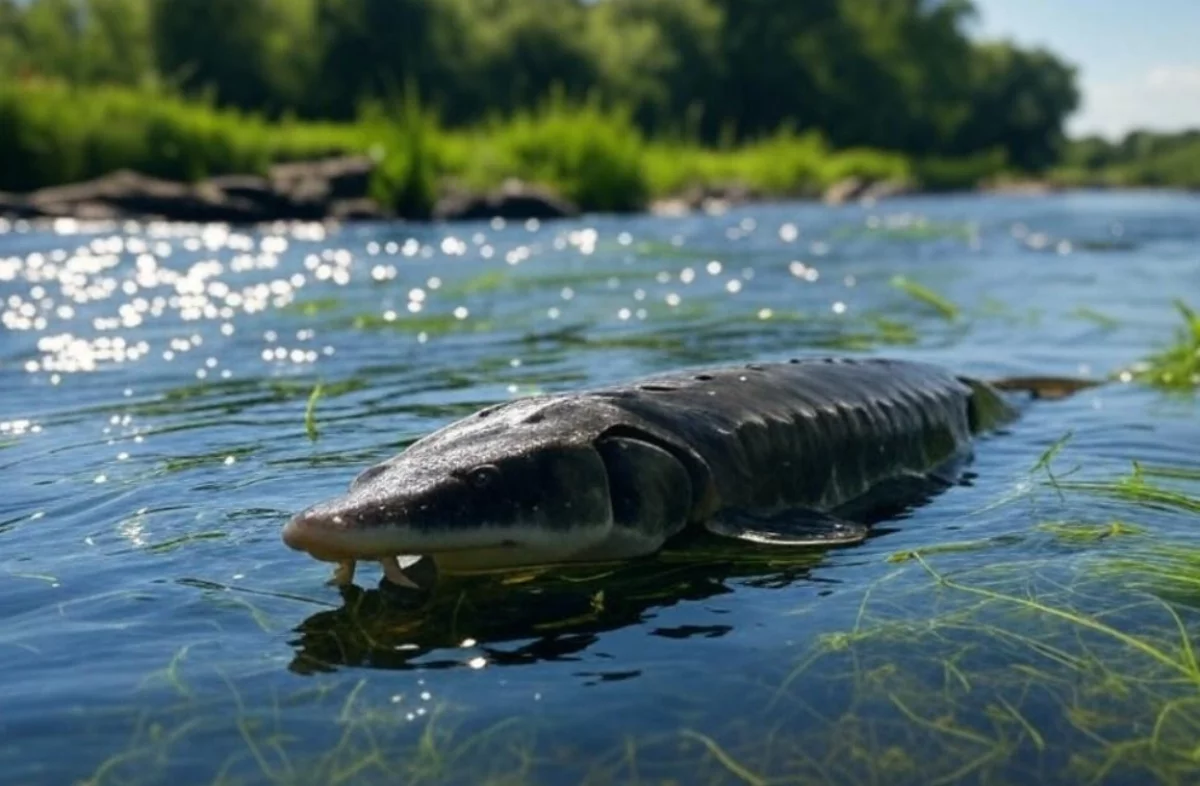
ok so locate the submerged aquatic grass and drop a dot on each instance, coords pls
(1092, 315)
(1005, 664)
(1136, 488)
(1176, 367)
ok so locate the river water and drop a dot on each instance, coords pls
(1035, 623)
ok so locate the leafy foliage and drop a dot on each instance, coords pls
(900, 76)
(1140, 158)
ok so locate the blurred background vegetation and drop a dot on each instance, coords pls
(610, 101)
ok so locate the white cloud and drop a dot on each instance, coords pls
(1164, 98)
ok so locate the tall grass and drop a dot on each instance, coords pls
(784, 164)
(52, 134)
(591, 155)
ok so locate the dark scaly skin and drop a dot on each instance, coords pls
(812, 433)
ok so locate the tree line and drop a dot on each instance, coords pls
(902, 75)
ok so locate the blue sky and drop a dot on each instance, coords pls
(1139, 63)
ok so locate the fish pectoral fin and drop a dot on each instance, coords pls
(1044, 387)
(343, 574)
(796, 527)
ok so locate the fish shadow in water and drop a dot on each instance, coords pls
(518, 618)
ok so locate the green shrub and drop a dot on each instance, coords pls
(871, 165)
(938, 173)
(592, 155)
(406, 179)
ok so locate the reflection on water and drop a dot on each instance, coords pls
(523, 617)
(1035, 623)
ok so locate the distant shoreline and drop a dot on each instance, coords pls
(117, 153)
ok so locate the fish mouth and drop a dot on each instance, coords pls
(312, 534)
(330, 538)
(327, 538)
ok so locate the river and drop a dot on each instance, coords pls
(157, 427)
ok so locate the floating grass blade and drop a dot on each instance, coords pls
(927, 296)
(310, 412)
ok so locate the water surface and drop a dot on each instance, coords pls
(153, 440)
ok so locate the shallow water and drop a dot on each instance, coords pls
(153, 440)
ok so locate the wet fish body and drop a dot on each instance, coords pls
(770, 453)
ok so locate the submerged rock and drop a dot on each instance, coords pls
(357, 210)
(345, 177)
(514, 200)
(857, 189)
(711, 198)
(15, 206)
(844, 190)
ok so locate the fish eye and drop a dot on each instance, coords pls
(482, 477)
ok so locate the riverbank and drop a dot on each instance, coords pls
(340, 188)
(115, 152)
(119, 153)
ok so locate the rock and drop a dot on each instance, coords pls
(670, 208)
(885, 189)
(712, 198)
(83, 211)
(1019, 187)
(129, 194)
(867, 192)
(261, 193)
(843, 191)
(326, 180)
(333, 188)
(14, 206)
(356, 210)
(514, 200)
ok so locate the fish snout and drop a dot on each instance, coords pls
(297, 532)
(313, 530)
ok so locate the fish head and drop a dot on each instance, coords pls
(472, 487)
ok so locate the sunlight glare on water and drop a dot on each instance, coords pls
(154, 437)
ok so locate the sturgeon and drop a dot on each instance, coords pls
(768, 453)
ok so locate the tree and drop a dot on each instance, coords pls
(222, 46)
(372, 48)
(1020, 101)
(115, 43)
(529, 48)
(664, 58)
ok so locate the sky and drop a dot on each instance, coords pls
(1138, 62)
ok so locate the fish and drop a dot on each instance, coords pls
(798, 453)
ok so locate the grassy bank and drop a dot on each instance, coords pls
(51, 134)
